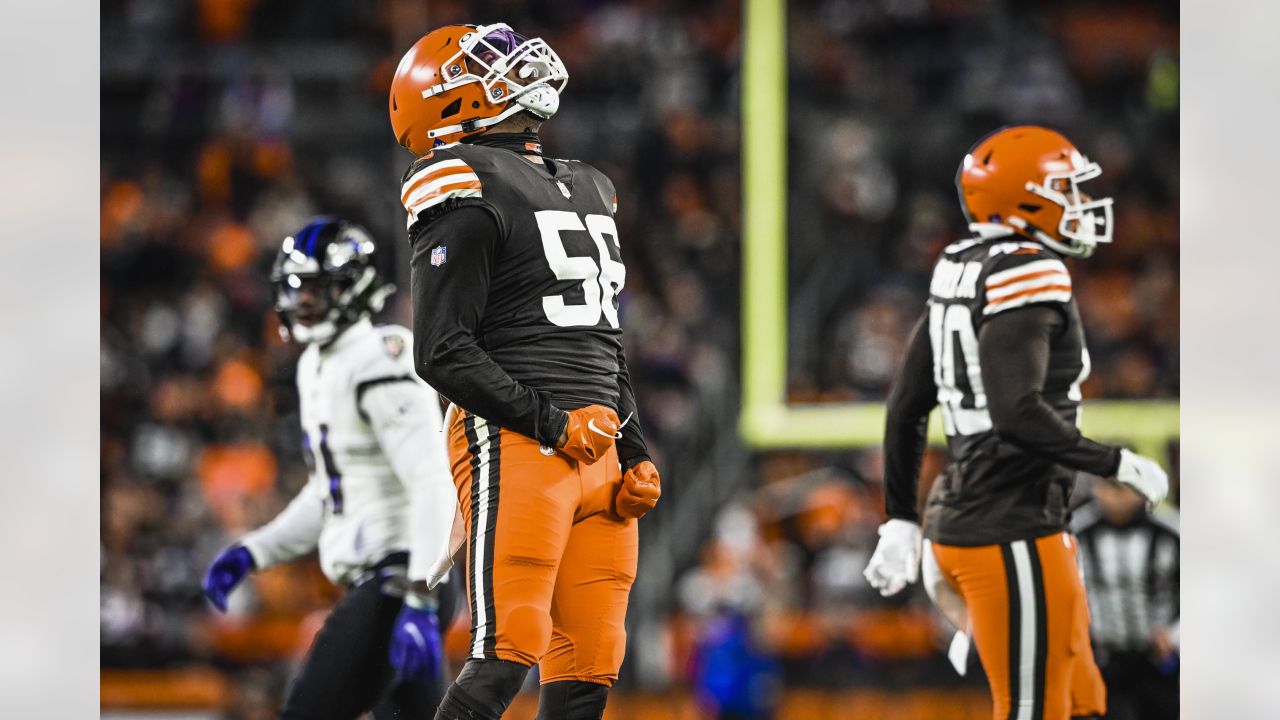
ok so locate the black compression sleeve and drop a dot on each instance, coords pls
(913, 396)
(448, 304)
(1013, 352)
(632, 449)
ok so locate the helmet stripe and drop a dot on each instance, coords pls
(309, 242)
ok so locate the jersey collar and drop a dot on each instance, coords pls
(522, 143)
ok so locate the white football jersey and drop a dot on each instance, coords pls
(379, 473)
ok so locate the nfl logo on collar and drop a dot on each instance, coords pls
(437, 256)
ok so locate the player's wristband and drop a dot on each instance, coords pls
(634, 460)
(1113, 464)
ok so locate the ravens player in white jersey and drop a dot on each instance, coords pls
(379, 505)
(1001, 350)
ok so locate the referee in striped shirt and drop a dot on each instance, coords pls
(1129, 558)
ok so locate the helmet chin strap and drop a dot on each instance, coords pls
(1075, 243)
(341, 315)
(321, 332)
(541, 101)
(1077, 250)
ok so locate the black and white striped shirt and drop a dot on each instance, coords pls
(1131, 572)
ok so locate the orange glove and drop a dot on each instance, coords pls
(641, 488)
(589, 434)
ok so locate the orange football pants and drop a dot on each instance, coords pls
(549, 566)
(1030, 622)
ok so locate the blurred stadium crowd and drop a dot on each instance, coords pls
(226, 124)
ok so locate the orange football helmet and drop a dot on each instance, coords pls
(460, 79)
(1028, 178)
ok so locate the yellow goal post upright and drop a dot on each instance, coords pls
(767, 420)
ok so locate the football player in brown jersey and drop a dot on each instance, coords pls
(1001, 350)
(516, 269)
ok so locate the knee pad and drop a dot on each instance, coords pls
(483, 690)
(527, 629)
(572, 700)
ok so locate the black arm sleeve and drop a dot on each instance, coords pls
(906, 422)
(448, 305)
(632, 449)
(1013, 351)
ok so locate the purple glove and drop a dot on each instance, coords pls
(227, 570)
(415, 644)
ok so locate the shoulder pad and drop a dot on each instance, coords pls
(439, 175)
(604, 185)
(389, 362)
(1017, 247)
(1023, 274)
(387, 351)
(395, 344)
(961, 245)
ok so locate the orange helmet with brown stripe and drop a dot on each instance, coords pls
(1028, 178)
(459, 80)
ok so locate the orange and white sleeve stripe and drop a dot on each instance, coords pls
(436, 183)
(1035, 282)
